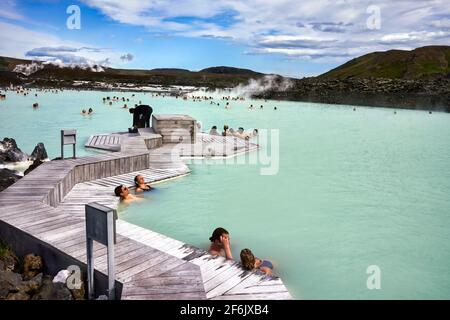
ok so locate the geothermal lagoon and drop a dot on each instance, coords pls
(353, 189)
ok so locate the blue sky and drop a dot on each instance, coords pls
(294, 38)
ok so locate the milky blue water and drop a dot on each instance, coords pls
(354, 189)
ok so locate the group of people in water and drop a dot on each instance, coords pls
(140, 186)
(220, 238)
(110, 101)
(220, 246)
(225, 99)
(227, 131)
(87, 113)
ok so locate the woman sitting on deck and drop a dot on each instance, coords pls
(141, 186)
(249, 262)
(220, 243)
(124, 193)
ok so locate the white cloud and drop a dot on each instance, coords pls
(441, 24)
(20, 42)
(414, 36)
(9, 11)
(311, 29)
(307, 28)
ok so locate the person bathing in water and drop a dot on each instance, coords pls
(214, 131)
(249, 262)
(141, 186)
(124, 193)
(225, 131)
(220, 243)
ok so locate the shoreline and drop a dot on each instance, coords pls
(420, 94)
(393, 95)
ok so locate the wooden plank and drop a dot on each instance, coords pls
(158, 266)
(264, 296)
(127, 294)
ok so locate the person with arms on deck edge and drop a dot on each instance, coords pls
(250, 262)
(220, 243)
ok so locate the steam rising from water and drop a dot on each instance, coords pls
(30, 68)
(251, 88)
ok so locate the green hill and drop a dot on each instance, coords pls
(424, 62)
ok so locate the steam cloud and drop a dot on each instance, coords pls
(127, 57)
(28, 69)
(253, 87)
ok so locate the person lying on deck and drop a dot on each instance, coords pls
(124, 193)
(249, 262)
(141, 186)
(220, 243)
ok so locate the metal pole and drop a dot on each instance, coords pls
(111, 268)
(90, 267)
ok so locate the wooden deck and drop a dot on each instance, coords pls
(206, 146)
(107, 142)
(49, 205)
(146, 272)
(116, 141)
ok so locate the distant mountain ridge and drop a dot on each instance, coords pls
(214, 77)
(230, 70)
(430, 61)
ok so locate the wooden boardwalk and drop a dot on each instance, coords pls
(206, 146)
(107, 142)
(145, 272)
(222, 279)
(49, 205)
(116, 141)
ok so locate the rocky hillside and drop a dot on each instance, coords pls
(422, 94)
(417, 79)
